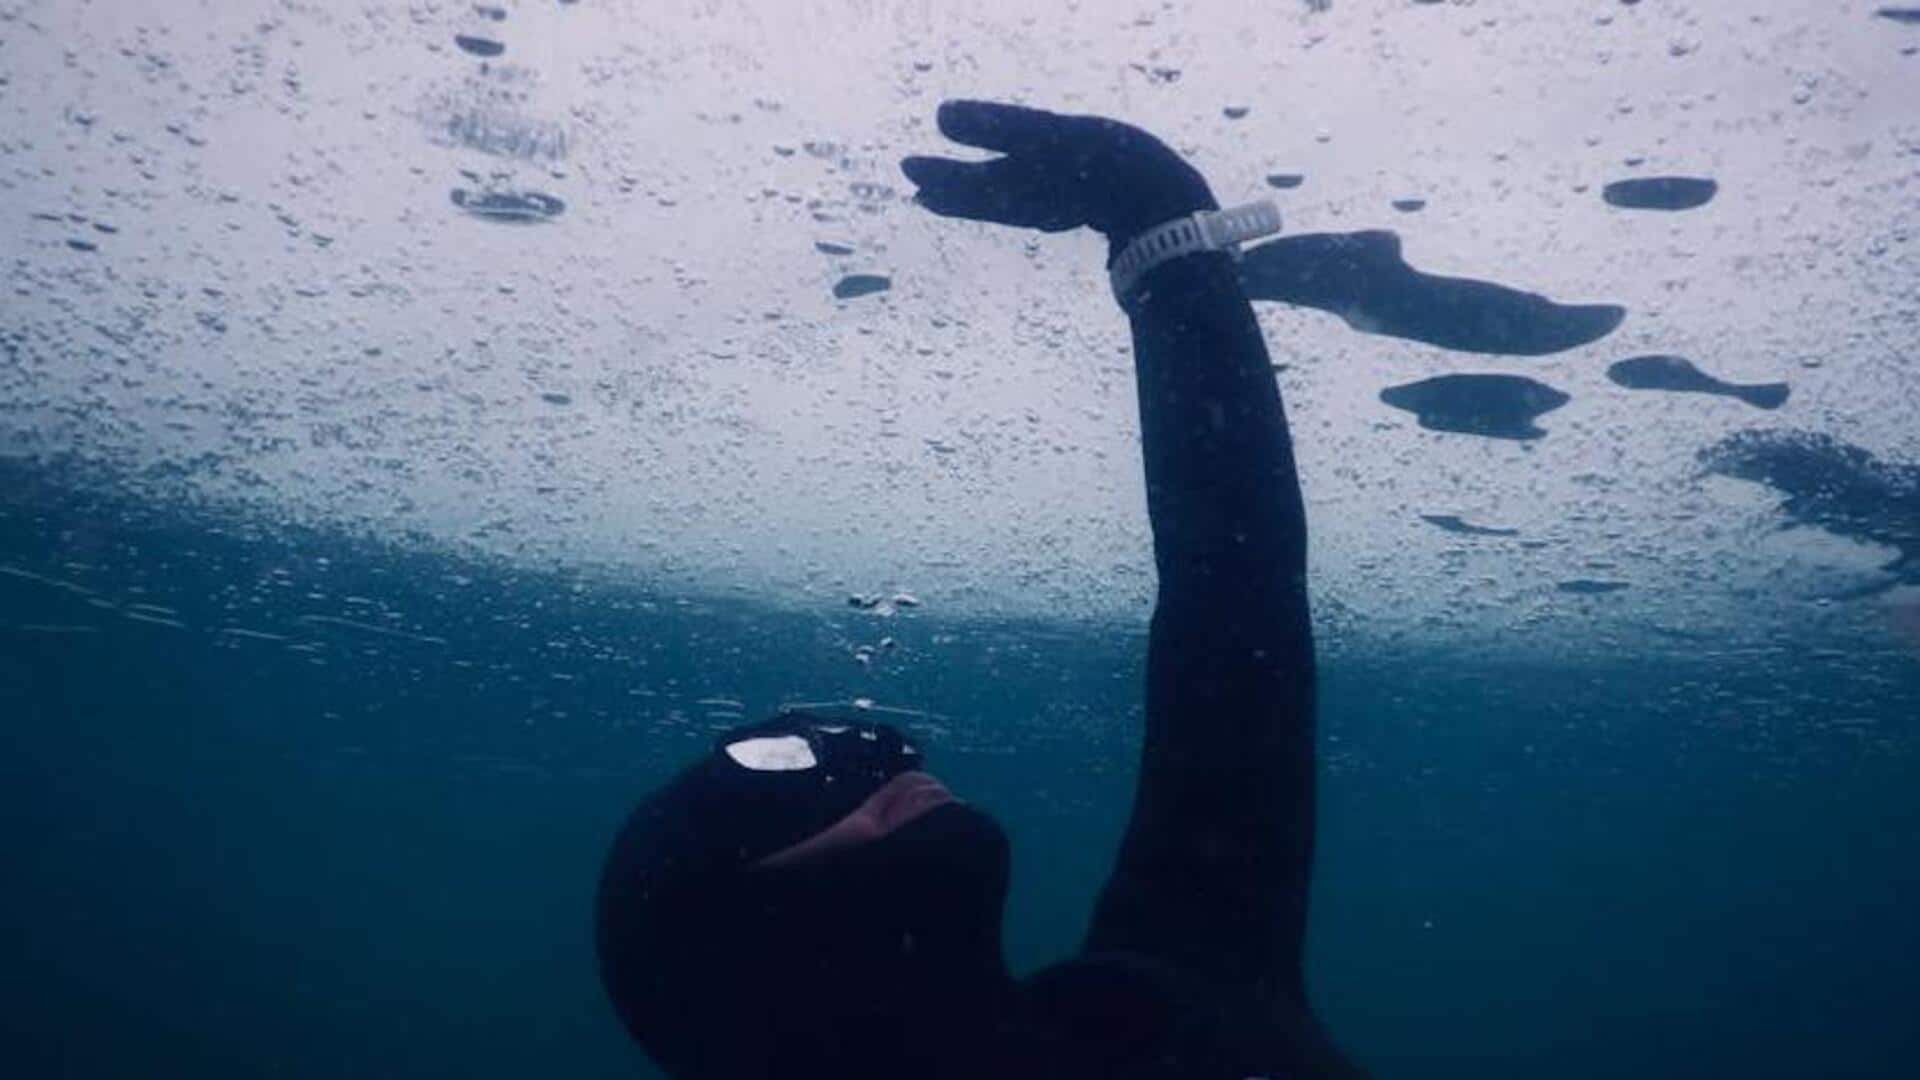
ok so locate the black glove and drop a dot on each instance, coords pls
(1058, 173)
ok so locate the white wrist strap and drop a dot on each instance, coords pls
(1206, 230)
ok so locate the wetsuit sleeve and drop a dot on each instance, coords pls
(1213, 871)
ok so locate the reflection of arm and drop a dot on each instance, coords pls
(1363, 278)
(1213, 871)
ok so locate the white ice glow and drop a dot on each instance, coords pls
(773, 753)
(284, 312)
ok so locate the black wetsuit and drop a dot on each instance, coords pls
(1192, 964)
(883, 959)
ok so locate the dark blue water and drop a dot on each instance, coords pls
(365, 845)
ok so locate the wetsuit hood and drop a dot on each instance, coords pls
(865, 961)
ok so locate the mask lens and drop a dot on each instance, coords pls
(837, 742)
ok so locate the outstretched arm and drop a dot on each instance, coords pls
(1213, 871)
(1214, 866)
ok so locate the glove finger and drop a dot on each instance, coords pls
(1002, 191)
(935, 172)
(1010, 129)
(947, 187)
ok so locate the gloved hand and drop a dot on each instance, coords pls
(1058, 173)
